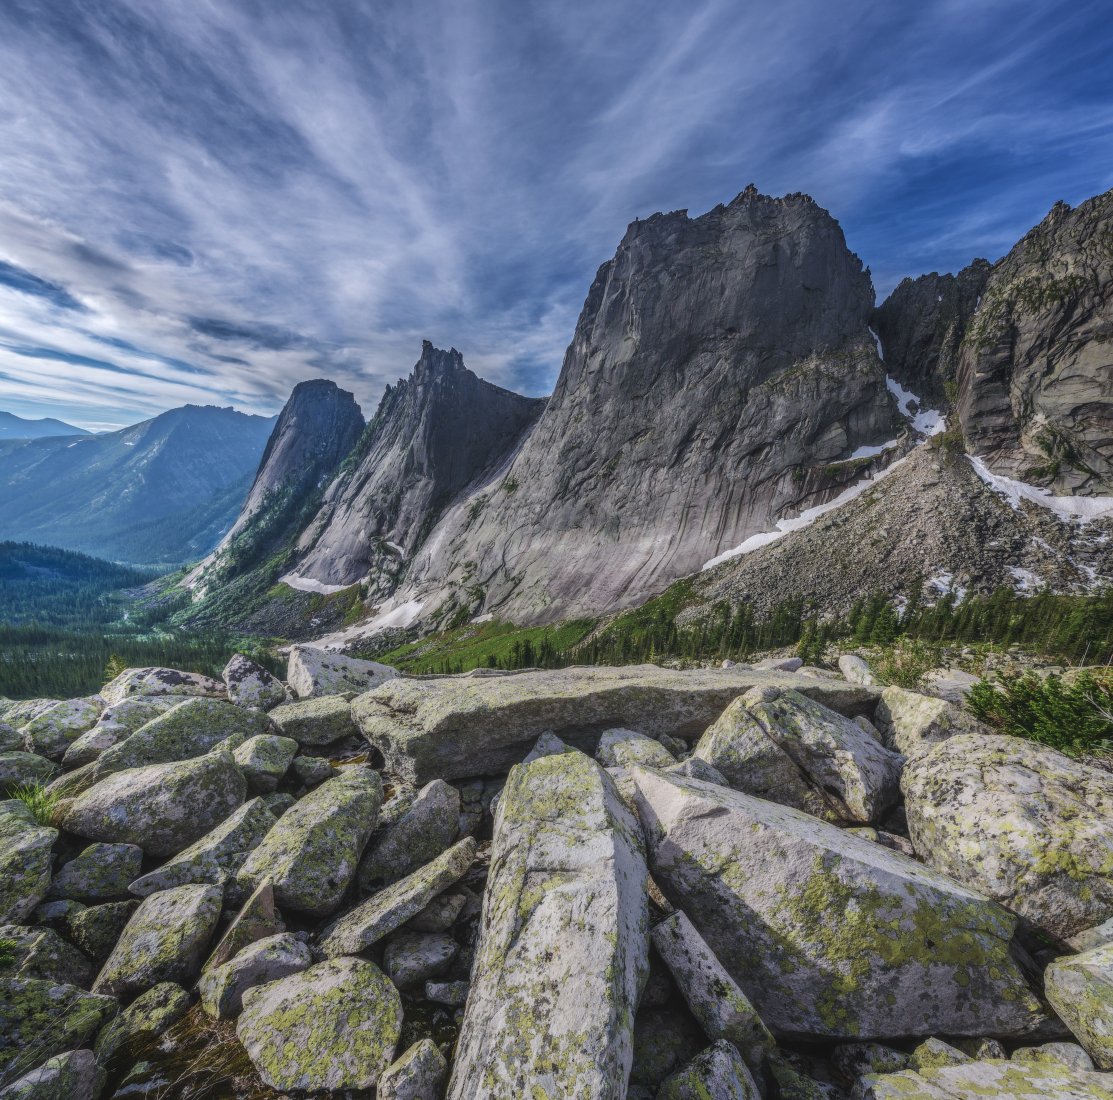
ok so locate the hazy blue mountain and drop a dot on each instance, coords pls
(16, 427)
(161, 492)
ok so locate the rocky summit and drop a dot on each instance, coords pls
(596, 883)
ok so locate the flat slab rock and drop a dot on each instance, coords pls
(989, 1080)
(829, 934)
(314, 671)
(160, 681)
(563, 945)
(456, 727)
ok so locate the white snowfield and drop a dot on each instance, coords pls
(1068, 508)
(307, 584)
(926, 421)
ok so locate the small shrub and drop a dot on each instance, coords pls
(510, 485)
(906, 664)
(38, 800)
(1075, 716)
(7, 953)
(114, 667)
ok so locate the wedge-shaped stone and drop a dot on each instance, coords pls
(418, 1075)
(18, 768)
(96, 928)
(39, 1019)
(911, 722)
(457, 726)
(251, 685)
(160, 681)
(1080, 989)
(117, 723)
(425, 829)
(389, 909)
(316, 721)
(315, 671)
(163, 808)
(147, 1017)
(42, 953)
(222, 988)
(264, 760)
(790, 749)
(164, 941)
(257, 920)
(74, 1075)
(333, 1026)
(310, 856)
(620, 748)
(828, 934)
(563, 948)
(216, 856)
(11, 740)
(1020, 822)
(52, 732)
(718, 1072)
(26, 857)
(102, 872)
(990, 1080)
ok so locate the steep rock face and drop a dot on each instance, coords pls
(717, 359)
(921, 326)
(434, 433)
(1035, 377)
(318, 426)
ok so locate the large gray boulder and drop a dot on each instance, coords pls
(1080, 989)
(42, 953)
(315, 671)
(101, 872)
(251, 685)
(457, 727)
(217, 856)
(987, 1080)
(74, 1075)
(26, 858)
(563, 949)
(264, 760)
(333, 1026)
(147, 1017)
(830, 935)
(418, 1075)
(160, 681)
(163, 808)
(310, 856)
(222, 987)
(424, 830)
(18, 768)
(257, 919)
(718, 1073)
(1020, 822)
(911, 722)
(117, 723)
(790, 749)
(620, 748)
(164, 941)
(317, 721)
(51, 733)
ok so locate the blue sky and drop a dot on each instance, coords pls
(210, 201)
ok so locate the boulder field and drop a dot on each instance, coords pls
(751, 882)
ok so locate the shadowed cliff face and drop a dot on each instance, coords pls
(1036, 372)
(717, 360)
(921, 326)
(434, 433)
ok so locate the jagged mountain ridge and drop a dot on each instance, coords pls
(160, 492)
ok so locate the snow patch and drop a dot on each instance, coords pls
(307, 584)
(1071, 509)
(877, 341)
(486, 617)
(804, 519)
(925, 421)
(394, 546)
(944, 584)
(1026, 580)
(401, 616)
(870, 452)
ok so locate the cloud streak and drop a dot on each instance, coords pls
(209, 202)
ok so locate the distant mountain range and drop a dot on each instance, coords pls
(16, 427)
(161, 492)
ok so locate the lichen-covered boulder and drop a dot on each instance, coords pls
(11, 740)
(1020, 822)
(389, 909)
(117, 723)
(102, 872)
(911, 722)
(164, 941)
(424, 830)
(163, 808)
(18, 768)
(217, 856)
(830, 935)
(222, 987)
(311, 854)
(147, 1017)
(26, 857)
(96, 928)
(193, 728)
(1080, 989)
(315, 671)
(333, 1026)
(715, 998)
(563, 947)
(39, 1019)
(316, 721)
(251, 685)
(42, 953)
(51, 733)
(856, 670)
(160, 681)
(785, 747)
(412, 958)
(256, 920)
(989, 1080)
(418, 1075)
(457, 727)
(311, 771)
(264, 760)
(74, 1075)
(619, 748)
(1070, 1055)
(718, 1072)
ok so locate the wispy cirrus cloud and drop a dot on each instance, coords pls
(209, 202)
